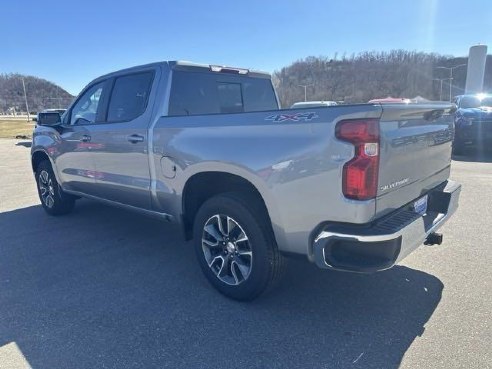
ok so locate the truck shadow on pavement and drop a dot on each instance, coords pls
(106, 288)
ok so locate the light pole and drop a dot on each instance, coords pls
(305, 90)
(440, 90)
(451, 77)
(25, 99)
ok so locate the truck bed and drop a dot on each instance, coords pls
(295, 161)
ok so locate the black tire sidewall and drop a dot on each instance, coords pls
(261, 244)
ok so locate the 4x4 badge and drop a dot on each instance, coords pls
(306, 117)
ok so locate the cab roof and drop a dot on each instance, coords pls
(191, 66)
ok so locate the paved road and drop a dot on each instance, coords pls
(103, 288)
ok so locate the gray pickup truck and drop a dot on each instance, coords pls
(351, 187)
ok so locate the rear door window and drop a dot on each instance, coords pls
(195, 93)
(129, 96)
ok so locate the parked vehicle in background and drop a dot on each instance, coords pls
(208, 147)
(312, 104)
(49, 116)
(473, 122)
(59, 111)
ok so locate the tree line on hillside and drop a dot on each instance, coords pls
(41, 94)
(353, 79)
(368, 75)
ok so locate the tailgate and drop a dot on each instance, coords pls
(415, 152)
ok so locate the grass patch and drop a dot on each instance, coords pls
(9, 128)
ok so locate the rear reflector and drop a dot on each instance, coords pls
(360, 174)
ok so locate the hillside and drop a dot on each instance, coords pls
(41, 94)
(370, 75)
(353, 79)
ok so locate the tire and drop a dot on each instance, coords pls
(239, 268)
(53, 199)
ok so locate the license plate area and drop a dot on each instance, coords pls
(420, 206)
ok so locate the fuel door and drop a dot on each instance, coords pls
(168, 167)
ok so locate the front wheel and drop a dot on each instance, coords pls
(52, 197)
(235, 246)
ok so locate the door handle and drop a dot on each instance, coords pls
(85, 138)
(135, 138)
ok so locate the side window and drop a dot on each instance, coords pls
(129, 97)
(85, 110)
(230, 97)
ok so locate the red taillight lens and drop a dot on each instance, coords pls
(360, 175)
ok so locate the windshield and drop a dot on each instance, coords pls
(468, 102)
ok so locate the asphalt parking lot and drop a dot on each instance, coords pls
(105, 288)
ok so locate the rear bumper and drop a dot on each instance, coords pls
(383, 243)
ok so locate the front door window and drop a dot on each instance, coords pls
(85, 110)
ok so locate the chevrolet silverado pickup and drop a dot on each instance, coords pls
(351, 187)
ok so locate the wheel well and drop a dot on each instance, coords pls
(37, 158)
(202, 186)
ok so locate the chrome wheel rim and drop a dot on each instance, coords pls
(227, 249)
(46, 189)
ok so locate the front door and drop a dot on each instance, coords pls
(74, 160)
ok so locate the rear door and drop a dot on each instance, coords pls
(120, 142)
(415, 152)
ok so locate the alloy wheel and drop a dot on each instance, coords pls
(227, 249)
(46, 189)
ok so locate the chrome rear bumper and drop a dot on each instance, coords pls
(383, 243)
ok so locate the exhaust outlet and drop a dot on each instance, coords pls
(433, 239)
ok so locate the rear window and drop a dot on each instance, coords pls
(209, 93)
(129, 97)
(230, 97)
(258, 95)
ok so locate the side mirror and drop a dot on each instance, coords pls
(81, 120)
(49, 119)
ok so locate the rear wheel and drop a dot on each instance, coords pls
(52, 197)
(235, 246)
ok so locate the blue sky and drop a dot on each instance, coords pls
(72, 42)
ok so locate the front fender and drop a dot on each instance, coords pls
(46, 140)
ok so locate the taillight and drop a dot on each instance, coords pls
(360, 174)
